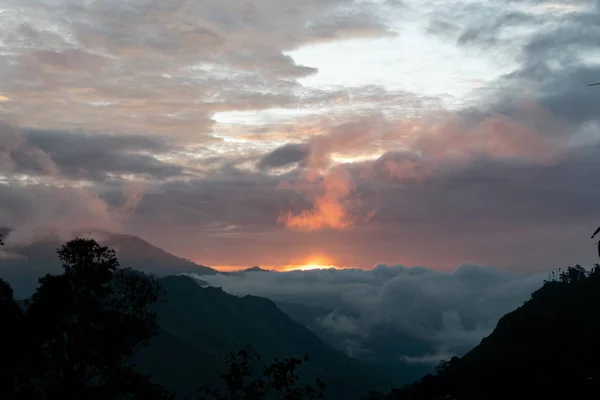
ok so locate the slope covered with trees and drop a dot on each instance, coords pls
(209, 323)
(547, 348)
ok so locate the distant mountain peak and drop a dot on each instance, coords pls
(255, 269)
(39, 258)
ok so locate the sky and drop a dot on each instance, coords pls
(282, 133)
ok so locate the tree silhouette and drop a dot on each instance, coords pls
(82, 327)
(11, 340)
(278, 381)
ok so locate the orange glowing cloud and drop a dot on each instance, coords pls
(333, 203)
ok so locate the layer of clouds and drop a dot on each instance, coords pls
(520, 200)
(36, 210)
(507, 182)
(56, 182)
(555, 44)
(450, 312)
(162, 67)
(83, 156)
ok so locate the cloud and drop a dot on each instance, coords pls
(34, 211)
(16, 154)
(285, 155)
(553, 63)
(206, 108)
(446, 187)
(430, 146)
(139, 66)
(340, 324)
(43, 189)
(335, 203)
(450, 311)
(97, 157)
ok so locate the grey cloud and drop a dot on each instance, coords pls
(274, 62)
(553, 66)
(15, 151)
(358, 24)
(341, 324)
(441, 27)
(285, 155)
(72, 59)
(566, 92)
(78, 155)
(489, 28)
(35, 210)
(227, 197)
(399, 166)
(502, 191)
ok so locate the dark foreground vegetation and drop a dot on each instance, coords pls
(76, 338)
(100, 331)
(72, 339)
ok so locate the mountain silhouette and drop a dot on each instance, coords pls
(23, 265)
(200, 324)
(545, 349)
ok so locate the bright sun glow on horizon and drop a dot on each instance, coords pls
(311, 265)
(307, 267)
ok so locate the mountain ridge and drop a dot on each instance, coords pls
(546, 348)
(38, 258)
(212, 323)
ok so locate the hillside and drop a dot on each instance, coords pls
(27, 263)
(546, 348)
(199, 325)
(379, 349)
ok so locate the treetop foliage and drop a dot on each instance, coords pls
(79, 329)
